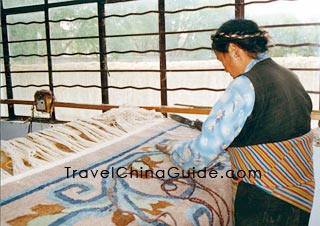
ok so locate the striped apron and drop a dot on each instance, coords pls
(282, 169)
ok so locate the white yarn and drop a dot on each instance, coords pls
(10, 149)
(59, 138)
(85, 131)
(4, 174)
(95, 130)
(53, 137)
(49, 145)
(73, 136)
(109, 129)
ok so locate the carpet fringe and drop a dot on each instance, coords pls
(50, 145)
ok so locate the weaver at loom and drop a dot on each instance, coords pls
(263, 120)
(107, 171)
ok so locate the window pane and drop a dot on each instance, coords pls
(189, 41)
(19, 3)
(28, 64)
(207, 18)
(279, 12)
(203, 19)
(28, 48)
(77, 28)
(20, 93)
(289, 12)
(32, 31)
(77, 94)
(25, 79)
(53, 1)
(139, 6)
(132, 97)
(75, 46)
(138, 43)
(134, 24)
(74, 11)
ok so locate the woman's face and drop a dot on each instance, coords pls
(235, 60)
(228, 62)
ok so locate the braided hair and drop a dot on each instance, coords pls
(244, 33)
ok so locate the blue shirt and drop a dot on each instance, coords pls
(224, 123)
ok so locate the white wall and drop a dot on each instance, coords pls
(14, 129)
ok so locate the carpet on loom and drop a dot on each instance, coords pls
(123, 183)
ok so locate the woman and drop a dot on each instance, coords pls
(263, 121)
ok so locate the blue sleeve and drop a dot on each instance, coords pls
(224, 123)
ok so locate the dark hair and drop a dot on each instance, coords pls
(244, 33)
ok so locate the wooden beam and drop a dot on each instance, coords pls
(162, 49)
(6, 57)
(163, 109)
(239, 9)
(49, 56)
(315, 114)
(103, 55)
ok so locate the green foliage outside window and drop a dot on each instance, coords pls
(203, 19)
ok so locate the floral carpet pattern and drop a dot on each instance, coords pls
(128, 182)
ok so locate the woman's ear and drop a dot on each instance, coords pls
(233, 50)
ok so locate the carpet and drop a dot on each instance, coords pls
(125, 182)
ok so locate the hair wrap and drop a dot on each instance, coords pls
(244, 33)
(240, 36)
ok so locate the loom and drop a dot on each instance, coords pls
(71, 48)
(34, 175)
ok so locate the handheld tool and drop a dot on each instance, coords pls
(195, 124)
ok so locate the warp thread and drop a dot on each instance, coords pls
(44, 147)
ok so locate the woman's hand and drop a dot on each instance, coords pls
(166, 146)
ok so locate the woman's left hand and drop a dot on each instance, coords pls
(166, 146)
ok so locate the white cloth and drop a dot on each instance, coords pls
(315, 211)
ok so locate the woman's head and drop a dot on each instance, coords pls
(237, 42)
(244, 33)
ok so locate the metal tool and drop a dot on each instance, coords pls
(195, 124)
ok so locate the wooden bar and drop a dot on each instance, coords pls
(162, 48)
(315, 114)
(163, 109)
(239, 9)
(103, 55)
(6, 56)
(49, 57)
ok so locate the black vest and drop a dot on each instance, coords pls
(282, 107)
